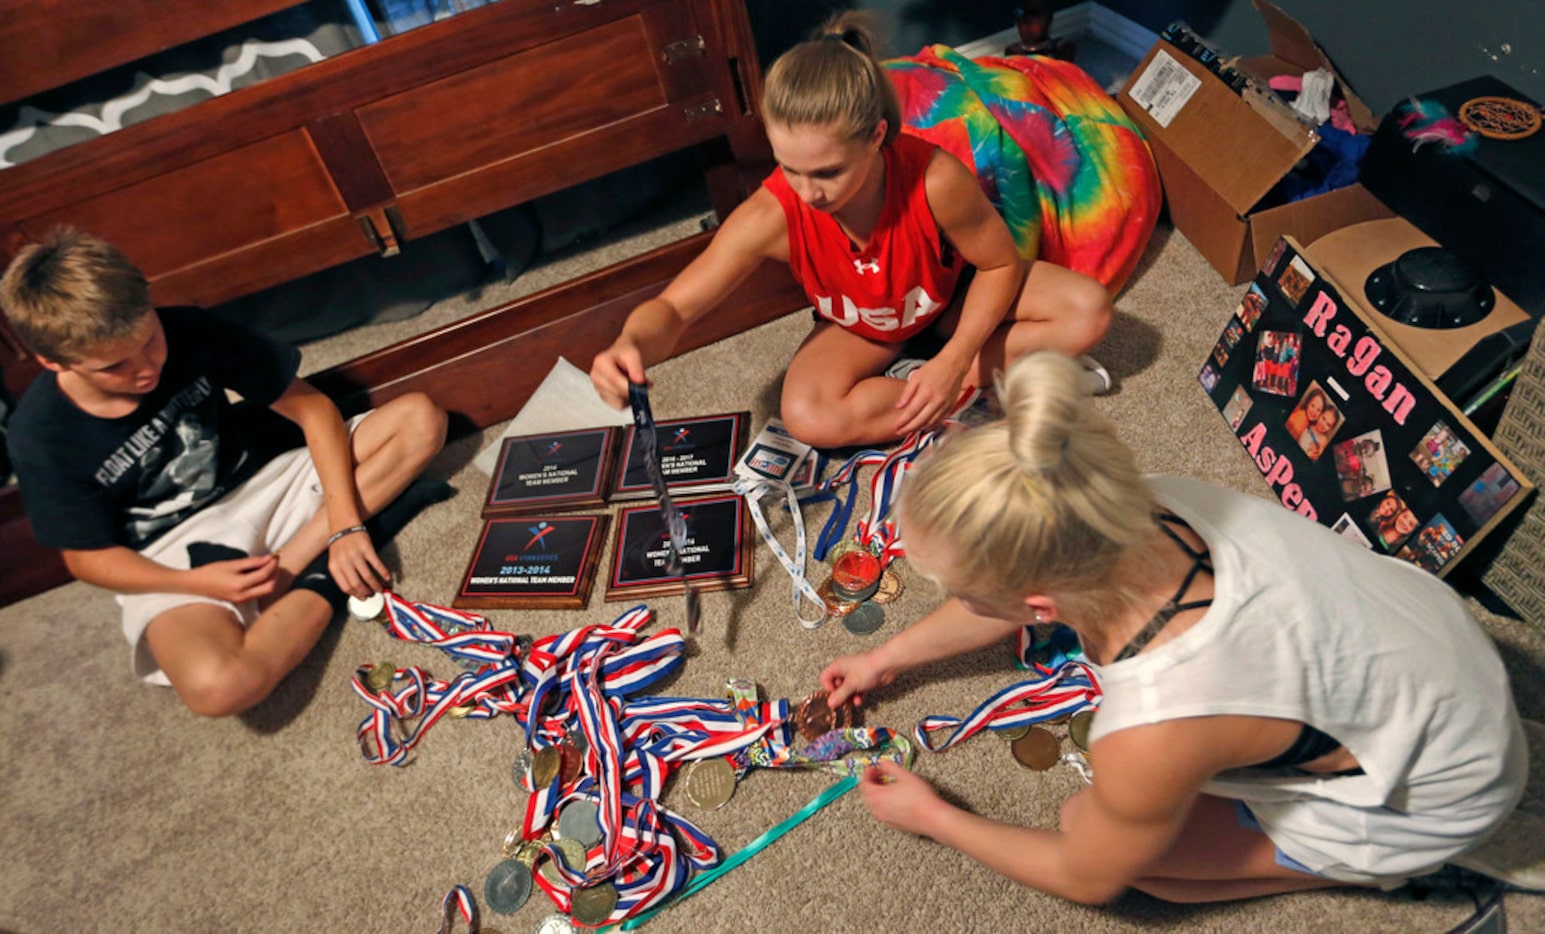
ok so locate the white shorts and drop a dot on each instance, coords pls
(256, 518)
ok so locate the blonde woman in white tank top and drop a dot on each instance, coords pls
(1282, 710)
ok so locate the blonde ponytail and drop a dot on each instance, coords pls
(1046, 500)
(833, 79)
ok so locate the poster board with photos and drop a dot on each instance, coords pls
(558, 470)
(533, 562)
(1344, 429)
(717, 553)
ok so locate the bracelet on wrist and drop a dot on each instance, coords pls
(343, 532)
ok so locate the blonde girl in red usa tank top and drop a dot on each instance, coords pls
(890, 237)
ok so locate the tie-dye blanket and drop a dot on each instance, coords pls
(1055, 154)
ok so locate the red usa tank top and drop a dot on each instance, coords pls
(895, 287)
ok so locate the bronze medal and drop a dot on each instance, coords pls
(1038, 749)
(570, 760)
(1078, 728)
(846, 546)
(814, 718)
(710, 783)
(890, 587)
(835, 606)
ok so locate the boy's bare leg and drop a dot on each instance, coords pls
(391, 447)
(220, 668)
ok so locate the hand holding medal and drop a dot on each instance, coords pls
(675, 523)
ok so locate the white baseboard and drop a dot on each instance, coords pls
(1087, 18)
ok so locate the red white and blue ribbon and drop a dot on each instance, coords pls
(1072, 688)
(458, 901)
(592, 681)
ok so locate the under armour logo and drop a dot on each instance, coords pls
(863, 267)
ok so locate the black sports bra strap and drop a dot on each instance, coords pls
(1200, 561)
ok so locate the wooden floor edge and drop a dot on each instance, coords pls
(482, 369)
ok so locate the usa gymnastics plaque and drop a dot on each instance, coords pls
(561, 470)
(537, 562)
(697, 455)
(716, 554)
(1345, 429)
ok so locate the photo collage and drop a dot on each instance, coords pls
(1413, 480)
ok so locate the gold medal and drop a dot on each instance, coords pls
(1038, 749)
(1078, 728)
(544, 767)
(1013, 733)
(592, 906)
(573, 855)
(710, 783)
(843, 547)
(380, 677)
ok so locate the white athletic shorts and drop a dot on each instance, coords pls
(256, 518)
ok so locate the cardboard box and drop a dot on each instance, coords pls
(1222, 139)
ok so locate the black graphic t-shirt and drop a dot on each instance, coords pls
(90, 482)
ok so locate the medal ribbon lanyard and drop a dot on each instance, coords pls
(675, 522)
(876, 531)
(458, 900)
(1071, 689)
(820, 801)
(752, 492)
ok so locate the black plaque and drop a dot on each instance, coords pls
(717, 552)
(533, 561)
(1345, 429)
(697, 455)
(566, 469)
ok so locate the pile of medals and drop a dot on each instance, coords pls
(599, 749)
(858, 588)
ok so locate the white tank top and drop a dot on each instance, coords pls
(1307, 626)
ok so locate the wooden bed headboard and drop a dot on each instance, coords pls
(384, 143)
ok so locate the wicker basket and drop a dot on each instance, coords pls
(1517, 573)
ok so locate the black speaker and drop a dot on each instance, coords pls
(1485, 201)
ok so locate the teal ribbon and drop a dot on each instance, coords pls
(751, 849)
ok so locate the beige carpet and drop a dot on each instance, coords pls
(123, 812)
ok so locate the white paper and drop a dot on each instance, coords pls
(566, 401)
(1164, 88)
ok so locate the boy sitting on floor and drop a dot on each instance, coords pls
(229, 560)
